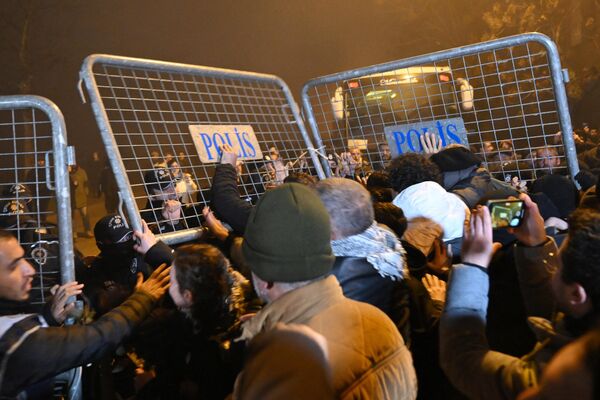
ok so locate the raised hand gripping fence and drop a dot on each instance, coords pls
(505, 99)
(151, 112)
(35, 203)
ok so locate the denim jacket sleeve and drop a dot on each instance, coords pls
(535, 267)
(465, 356)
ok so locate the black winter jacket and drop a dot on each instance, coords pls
(226, 200)
(465, 177)
(30, 352)
(361, 282)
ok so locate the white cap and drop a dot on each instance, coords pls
(430, 200)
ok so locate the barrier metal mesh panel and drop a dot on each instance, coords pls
(165, 118)
(34, 188)
(508, 94)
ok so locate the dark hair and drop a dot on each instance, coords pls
(171, 161)
(300, 177)
(6, 235)
(379, 179)
(381, 195)
(410, 169)
(392, 216)
(202, 269)
(580, 256)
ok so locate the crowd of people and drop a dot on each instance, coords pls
(382, 282)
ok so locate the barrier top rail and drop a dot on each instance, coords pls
(153, 113)
(507, 92)
(34, 190)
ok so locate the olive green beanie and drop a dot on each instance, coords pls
(288, 235)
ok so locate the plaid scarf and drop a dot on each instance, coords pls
(379, 246)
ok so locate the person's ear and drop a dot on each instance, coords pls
(577, 294)
(188, 297)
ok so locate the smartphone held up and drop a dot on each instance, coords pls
(506, 213)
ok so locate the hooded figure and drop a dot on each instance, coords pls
(464, 175)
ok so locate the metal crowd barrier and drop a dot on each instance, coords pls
(151, 113)
(35, 203)
(505, 99)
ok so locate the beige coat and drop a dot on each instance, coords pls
(368, 357)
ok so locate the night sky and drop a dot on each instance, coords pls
(296, 40)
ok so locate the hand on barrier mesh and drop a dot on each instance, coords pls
(477, 246)
(144, 240)
(431, 143)
(58, 306)
(172, 211)
(157, 284)
(214, 225)
(228, 155)
(531, 232)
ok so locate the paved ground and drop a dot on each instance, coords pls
(96, 211)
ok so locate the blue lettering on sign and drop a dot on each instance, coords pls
(398, 142)
(207, 144)
(410, 140)
(228, 139)
(209, 139)
(242, 148)
(440, 129)
(216, 136)
(406, 138)
(212, 143)
(452, 135)
(246, 139)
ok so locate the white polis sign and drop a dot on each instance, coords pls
(209, 138)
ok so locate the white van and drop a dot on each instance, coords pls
(401, 96)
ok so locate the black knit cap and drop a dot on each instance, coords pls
(455, 159)
(288, 235)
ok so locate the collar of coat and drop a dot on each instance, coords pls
(295, 307)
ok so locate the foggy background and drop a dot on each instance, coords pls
(43, 43)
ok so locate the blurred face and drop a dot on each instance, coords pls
(505, 145)
(385, 151)
(558, 286)
(16, 273)
(568, 295)
(175, 168)
(547, 159)
(355, 153)
(488, 147)
(181, 300)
